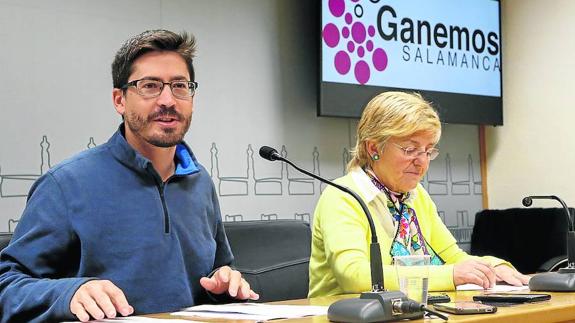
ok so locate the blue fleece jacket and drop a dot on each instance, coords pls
(105, 214)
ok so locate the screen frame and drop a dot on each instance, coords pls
(453, 108)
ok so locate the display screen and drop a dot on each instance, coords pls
(447, 50)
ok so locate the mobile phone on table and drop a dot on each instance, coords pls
(511, 298)
(438, 298)
(465, 308)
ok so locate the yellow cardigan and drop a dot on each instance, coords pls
(339, 261)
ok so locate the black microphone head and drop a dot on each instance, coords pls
(269, 153)
(527, 201)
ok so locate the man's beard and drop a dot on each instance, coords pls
(169, 136)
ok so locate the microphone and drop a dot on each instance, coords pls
(270, 153)
(378, 305)
(564, 279)
(528, 201)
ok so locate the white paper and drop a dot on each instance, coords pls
(253, 311)
(227, 316)
(498, 288)
(138, 319)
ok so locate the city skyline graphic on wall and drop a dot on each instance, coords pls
(441, 180)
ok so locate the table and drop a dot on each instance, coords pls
(561, 308)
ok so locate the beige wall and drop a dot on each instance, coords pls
(533, 153)
(258, 70)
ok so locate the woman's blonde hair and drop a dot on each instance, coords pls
(392, 114)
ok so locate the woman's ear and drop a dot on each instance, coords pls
(372, 150)
(372, 147)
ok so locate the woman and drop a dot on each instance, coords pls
(396, 139)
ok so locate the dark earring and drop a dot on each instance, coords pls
(375, 157)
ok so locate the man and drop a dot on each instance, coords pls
(131, 226)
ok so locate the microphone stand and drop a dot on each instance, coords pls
(378, 305)
(564, 279)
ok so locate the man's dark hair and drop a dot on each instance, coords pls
(148, 41)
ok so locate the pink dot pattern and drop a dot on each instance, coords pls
(350, 46)
(345, 32)
(336, 7)
(361, 72)
(342, 62)
(331, 35)
(361, 42)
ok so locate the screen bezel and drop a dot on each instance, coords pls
(452, 107)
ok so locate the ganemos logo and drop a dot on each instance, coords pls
(357, 32)
(456, 37)
(355, 37)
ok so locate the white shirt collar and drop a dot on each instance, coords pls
(364, 185)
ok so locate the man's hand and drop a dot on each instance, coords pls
(474, 271)
(228, 280)
(511, 276)
(99, 299)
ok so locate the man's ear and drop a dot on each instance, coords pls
(119, 101)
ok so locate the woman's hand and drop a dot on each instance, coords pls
(511, 276)
(476, 272)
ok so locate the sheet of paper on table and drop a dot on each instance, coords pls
(253, 311)
(138, 319)
(501, 288)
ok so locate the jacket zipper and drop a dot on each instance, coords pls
(165, 207)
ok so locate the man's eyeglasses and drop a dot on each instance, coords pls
(153, 88)
(412, 152)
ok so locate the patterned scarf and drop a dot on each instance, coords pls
(408, 238)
